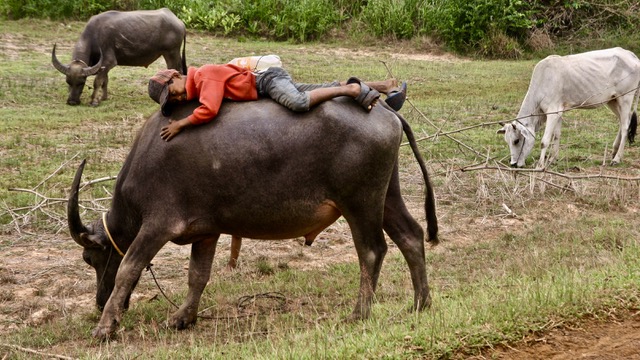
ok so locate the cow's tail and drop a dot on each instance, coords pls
(184, 54)
(633, 123)
(633, 127)
(430, 199)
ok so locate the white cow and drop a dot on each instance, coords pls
(587, 81)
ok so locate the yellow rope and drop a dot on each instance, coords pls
(104, 223)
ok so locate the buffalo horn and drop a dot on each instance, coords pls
(88, 71)
(57, 64)
(76, 228)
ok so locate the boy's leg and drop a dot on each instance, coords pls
(381, 86)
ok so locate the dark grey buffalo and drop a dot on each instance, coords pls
(258, 171)
(130, 38)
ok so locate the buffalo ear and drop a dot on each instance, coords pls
(500, 131)
(96, 239)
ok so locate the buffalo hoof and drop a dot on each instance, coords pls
(104, 332)
(94, 103)
(421, 305)
(181, 322)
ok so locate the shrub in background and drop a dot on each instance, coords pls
(495, 28)
(465, 25)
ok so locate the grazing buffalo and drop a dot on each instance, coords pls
(585, 81)
(258, 171)
(131, 38)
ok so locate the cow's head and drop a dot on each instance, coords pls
(98, 252)
(77, 72)
(520, 140)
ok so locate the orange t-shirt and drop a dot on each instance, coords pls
(211, 84)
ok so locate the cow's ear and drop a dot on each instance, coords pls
(500, 131)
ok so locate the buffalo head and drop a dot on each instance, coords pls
(98, 251)
(77, 72)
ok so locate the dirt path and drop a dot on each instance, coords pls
(593, 340)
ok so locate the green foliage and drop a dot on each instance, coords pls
(52, 9)
(298, 20)
(205, 16)
(389, 18)
(464, 24)
(494, 28)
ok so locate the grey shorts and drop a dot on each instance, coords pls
(277, 84)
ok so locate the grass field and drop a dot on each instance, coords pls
(521, 253)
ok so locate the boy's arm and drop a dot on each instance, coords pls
(175, 126)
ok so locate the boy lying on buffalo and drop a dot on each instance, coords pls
(210, 84)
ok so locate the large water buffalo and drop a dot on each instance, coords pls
(258, 171)
(130, 38)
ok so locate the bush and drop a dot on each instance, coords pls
(465, 24)
(495, 28)
(389, 17)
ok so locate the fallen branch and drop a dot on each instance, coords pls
(555, 173)
(39, 353)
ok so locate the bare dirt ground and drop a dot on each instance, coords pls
(593, 340)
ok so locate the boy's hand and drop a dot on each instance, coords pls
(170, 131)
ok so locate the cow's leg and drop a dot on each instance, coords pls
(553, 121)
(366, 228)
(555, 142)
(143, 249)
(202, 253)
(621, 107)
(405, 231)
(236, 244)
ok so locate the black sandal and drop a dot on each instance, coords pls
(396, 97)
(367, 96)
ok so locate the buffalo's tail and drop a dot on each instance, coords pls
(184, 55)
(430, 199)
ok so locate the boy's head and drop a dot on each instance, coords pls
(159, 88)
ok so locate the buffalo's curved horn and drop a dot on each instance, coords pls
(88, 71)
(57, 64)
(76, 228)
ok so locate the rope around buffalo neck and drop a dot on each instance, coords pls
(106, 229)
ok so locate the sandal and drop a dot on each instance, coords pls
(397, 96)
(367, 97)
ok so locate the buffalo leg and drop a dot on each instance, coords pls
(99, 86)
(143, 249)
(405, 232)
(202, 253)
(371, 248)
(173, 60)
(236, 244)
